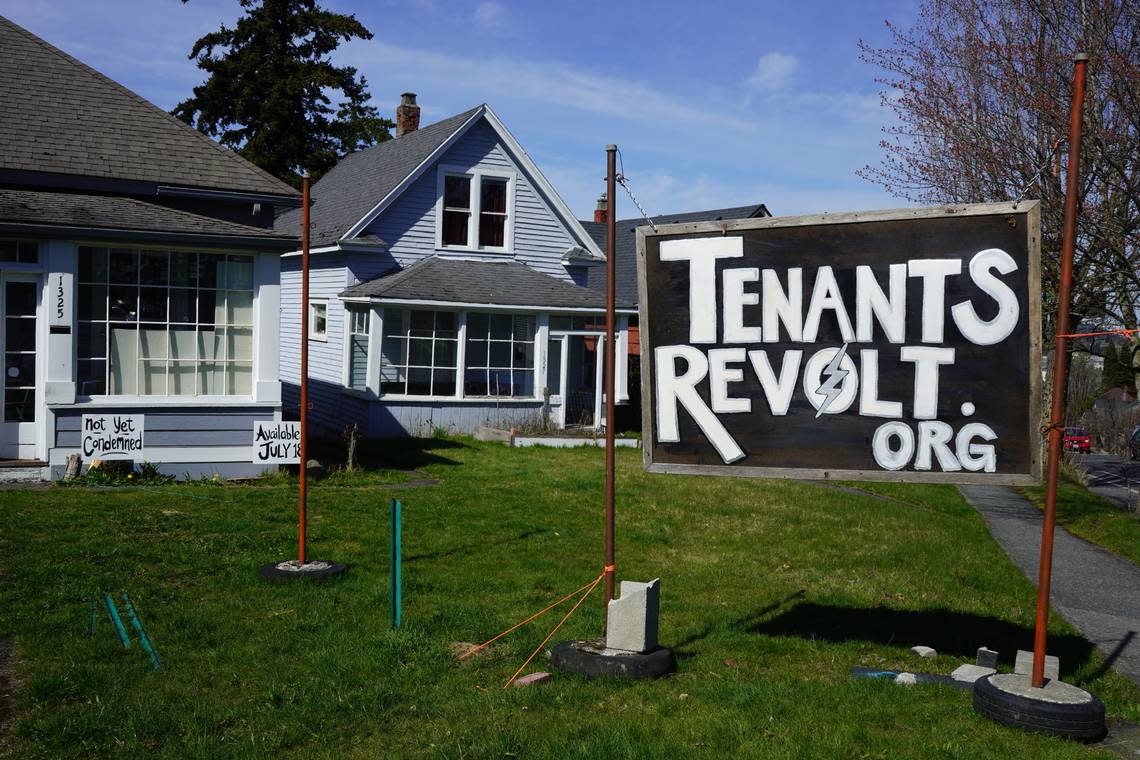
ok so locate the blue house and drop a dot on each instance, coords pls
(451, 287)
(139, 274)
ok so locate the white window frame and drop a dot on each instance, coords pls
(376, 358)
(476, 176)
(536, 391)
(254, 329)
(323, 335)
(461, 329)
(350, 311)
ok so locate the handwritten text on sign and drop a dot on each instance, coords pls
(277, 442)
(882, 346)
(112, 436)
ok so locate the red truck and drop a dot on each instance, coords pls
(1077, 439)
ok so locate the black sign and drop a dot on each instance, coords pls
(899, 345)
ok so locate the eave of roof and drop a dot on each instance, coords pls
(438, 279)
(38, 212)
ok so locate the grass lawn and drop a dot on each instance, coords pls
(1092, 517)
(772, 590)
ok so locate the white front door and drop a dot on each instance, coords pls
(19, 303)
(556, 378)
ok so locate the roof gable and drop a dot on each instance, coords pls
(363, 185)
(61, 116)
(349, 191)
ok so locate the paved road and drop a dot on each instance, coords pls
(1093, 589)
(1117, 481)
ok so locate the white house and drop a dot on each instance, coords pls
(451, 287)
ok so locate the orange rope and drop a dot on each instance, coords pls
(550, 635)
(516, 626)
(1102, 332)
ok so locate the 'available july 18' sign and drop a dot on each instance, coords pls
(896, 345)
(276, 442)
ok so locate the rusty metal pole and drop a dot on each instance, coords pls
(1057, 411)
(610, 359)
(304, 360)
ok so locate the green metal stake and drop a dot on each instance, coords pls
(113, 611)
(396, 591)
(94, 616)
(144, 640)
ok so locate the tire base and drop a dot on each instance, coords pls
(1057, 709)
(275, 574)
(592, 660)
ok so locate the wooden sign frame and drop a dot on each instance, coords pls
(1029, 211)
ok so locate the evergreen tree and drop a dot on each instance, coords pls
(267, 95)
(1117, 373)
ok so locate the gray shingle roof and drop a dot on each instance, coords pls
(61, 116)
(506, 283)
(66, 209)
(625, 245)
(360, 180)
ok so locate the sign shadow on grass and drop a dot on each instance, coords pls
(951, 633)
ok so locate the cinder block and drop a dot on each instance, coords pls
(1023, 665)
(970, 673)
(631, 622)
(987, 658)
(532, 678)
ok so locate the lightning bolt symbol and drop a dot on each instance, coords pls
(830, 388)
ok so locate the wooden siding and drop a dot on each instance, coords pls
(182, 427)
(423, 418)
(328, 277)
(408, 225)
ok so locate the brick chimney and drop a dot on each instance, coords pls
(602, 210)
(407, 114)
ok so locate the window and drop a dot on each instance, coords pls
(456, 210)
(19, 382)
(499, 356)
(357, 346)
(175, 323)
(20, 251)
(318, 320)
(492, 212)
(475, 212)
(578, 323)
(419, 352)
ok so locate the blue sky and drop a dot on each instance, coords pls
(712, 103)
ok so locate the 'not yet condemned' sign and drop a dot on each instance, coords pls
(112, 436)
(893, 345)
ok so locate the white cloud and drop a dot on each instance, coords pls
(536, 81)
(773, 72)
(489, 15)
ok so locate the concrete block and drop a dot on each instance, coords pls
(1023, 665)
(532, 679)
(970, 673)
(987, 658)
(632, 618)
(485, 433)
(924, 651)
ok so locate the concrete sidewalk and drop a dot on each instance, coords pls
(1093, 589)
